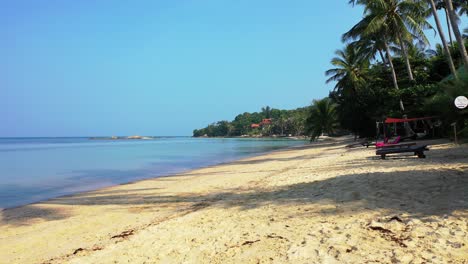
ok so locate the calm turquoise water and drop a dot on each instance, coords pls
(34, 169)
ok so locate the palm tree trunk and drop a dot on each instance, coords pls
(442, 37)
(448, 26)
(405, 55)
(382, 57)
(394, 77)
(456, 31)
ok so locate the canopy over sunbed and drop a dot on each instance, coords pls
(390, 120)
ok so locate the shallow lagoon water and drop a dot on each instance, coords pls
(35, 169)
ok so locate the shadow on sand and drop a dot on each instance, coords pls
(418, 193)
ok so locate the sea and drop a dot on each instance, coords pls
(36, 169)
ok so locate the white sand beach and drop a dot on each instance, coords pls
(321, 203)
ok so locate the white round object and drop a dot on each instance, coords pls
(461, 102)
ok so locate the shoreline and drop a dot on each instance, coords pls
(288, 205)
(155, 177)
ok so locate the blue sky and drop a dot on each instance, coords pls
(83, 68)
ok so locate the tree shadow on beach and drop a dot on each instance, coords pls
(23, 215)
(418, 193)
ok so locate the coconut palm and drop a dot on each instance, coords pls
(377, 41)
(266, 111)
(369, 44)
(351, 68)
(402, 21)
(453, 19)
(442, 38)
(322, 118)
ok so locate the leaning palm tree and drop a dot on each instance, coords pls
(322, 118)
(350, 70)
(442, 38)
(453, 19)
(403, 21)
(377, 41)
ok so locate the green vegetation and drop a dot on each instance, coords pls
(384, 70)
(283, 122)
(406, 78)
(322, 118)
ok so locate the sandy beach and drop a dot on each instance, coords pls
(321, 203)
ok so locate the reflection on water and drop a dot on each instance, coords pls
(34, 169)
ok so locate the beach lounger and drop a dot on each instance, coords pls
(417, 150)
(385, 142)
(399, 145)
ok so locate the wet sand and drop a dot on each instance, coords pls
(322, 203)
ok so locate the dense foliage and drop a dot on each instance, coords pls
(385, 70)
(283, 122)
(407, 78)
(322, 118)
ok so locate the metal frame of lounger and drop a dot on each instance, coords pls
(417, 150)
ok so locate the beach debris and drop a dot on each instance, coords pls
(397, 218)
(349, 250)
(250, 242)
(124, 234)
(78, 250)
(245, 243)
(94, 248)
(273, 235)
(380, 228)
(392, 228)
(75, 252)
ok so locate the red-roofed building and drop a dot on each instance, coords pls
(266, 121)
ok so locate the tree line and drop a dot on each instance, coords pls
(387, 69)
(283, 123)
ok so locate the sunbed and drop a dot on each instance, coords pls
(385, 142)
(398, 145)
(416, 149)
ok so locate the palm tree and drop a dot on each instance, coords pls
(266, 111)
(453, 19)
(460, 5)
(442, 38)
(440, 4)
(376, 41)
(402, 21)
(322, 118)
(351, 68)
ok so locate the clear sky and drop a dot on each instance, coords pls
(86, 68)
